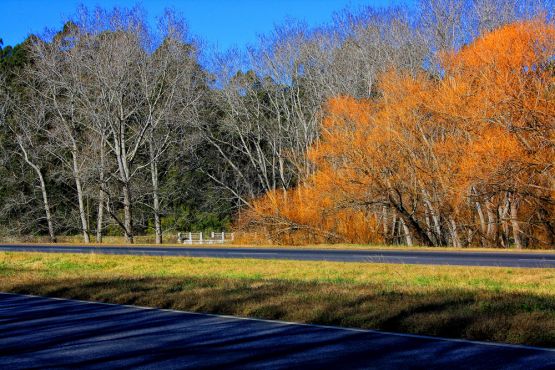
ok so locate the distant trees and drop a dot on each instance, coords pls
(462, 160)
(28, 126)
(104, 100)
(270, 115)
(378, 126)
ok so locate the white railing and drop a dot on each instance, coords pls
(204, 238)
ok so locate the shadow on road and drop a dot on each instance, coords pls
(40, 332)
(472, 314)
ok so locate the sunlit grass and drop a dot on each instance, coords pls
(488, 303)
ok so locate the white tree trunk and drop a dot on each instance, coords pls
(46, 206)
(503, 213)
(454, 233)
(44, 192)
(123, 169)
(384, 220)
(483, 225)
(406, 231)
(101, 195)
(78, 186)
(127, 213)
(514, 222)
(492, 230)
(155, 194)
(100, 217)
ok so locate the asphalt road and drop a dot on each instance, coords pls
(41, 333)
(517, 259)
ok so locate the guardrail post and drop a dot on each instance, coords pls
(190, 238)
(200, 238)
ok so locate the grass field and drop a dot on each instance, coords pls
(512, 305)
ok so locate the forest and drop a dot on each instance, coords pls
(428, 125)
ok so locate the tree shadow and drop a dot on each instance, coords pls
(456, 313)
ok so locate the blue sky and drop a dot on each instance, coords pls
(221, 23)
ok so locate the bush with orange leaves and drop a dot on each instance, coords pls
(465, 159)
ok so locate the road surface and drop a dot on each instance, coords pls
(516, 259)
(39, 333)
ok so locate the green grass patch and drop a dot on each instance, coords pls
(481, 303)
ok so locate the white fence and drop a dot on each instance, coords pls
(204, 238)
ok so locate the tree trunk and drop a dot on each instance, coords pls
(429, 231)
(100, 217)
(46, 204)
(483, 226)
(101, 195)
(127, 213)
(406, 231)
(123, 169)
(435, 218)
(385, 226)
(155, 194)
(514, 222)
(502, 213)
(454, 233)
(410, 221)
(82, 213)
(392, 235)
(492, 224)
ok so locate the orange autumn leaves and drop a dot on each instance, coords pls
(465, 159)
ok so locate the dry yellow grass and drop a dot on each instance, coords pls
(486, 303)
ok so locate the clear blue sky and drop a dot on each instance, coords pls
(222, 23)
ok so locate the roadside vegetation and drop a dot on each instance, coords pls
(423, 125)
(435, 161)
(512, 305)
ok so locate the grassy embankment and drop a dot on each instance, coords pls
(511, 305)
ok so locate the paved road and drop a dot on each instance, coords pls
(542, 260)
(39, 332)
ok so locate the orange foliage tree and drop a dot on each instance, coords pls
(464, 159)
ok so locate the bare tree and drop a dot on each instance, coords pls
(28, 125)
(169, 76)
(113, 54)
(57, 66)
(272, 112)
(140, 93)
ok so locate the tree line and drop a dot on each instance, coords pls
(465, 159)
(373, 128)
